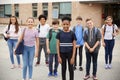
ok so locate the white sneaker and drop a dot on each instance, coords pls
(109, 66)
(106, 66)
(30, 79)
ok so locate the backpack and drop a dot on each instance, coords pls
(50, 33)
(74, 29)
(105, 30)
(39, 28)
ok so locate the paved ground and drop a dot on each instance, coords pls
(40, 72)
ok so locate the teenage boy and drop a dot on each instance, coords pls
(66, 45)
(43, 29)
(92, 37)
(78, 29)
(51, 48)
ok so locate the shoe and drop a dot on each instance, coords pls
(86, 77)
(95, 78)
(109, 66)
(19, 66)
(55, 74)
(81, 69)
(13, 67)
(30, 79)
(106, 66)
(74, 68)
(37, 63)
(50, 74)
(47, 64)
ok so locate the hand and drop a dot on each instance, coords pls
(60, 60)
(114, 34)
(72, 60)
(103, 44)
(14, 51)
(48, 51)
(91, 50)
(77, 46)
(36, 54)
(7, 36)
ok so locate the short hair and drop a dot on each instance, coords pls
(54, 22)
(66, 18)
(109, 17)
(88, 19)
(42, 16)
(79, 18)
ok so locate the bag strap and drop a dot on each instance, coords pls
(8, 28)
(23, 33)
(39, 28)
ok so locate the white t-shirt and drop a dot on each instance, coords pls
(11, 32)
(109, 31)
(44, 29)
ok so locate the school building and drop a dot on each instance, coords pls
(95, 9)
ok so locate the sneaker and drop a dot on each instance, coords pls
(30, 79)
(81, 69)
(86, 77)
(106, 66)
(50, 74)
(37, 63)
(95, 78)
(55, 74)
(13, 66)
(74, 68)
(109, 66)
(47, 64)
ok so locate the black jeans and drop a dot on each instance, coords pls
(51, 57)
(66, 57)
(88, 62)
(80, 56)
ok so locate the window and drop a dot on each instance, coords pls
(55, 10)
(45, 9)
(5, 10)
(34, 9)
(16, 6)
(65, 9)
(2, 11)
(8, 11)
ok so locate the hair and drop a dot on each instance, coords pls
(16, 24)
(30, 18)
(109, 17)
(79, 18)
(42, 16)
(66, 18)
(88, 19)
(55, 22)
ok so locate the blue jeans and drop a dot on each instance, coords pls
(28, 57)
(108, 50)
(51, 57)
(11, 44)
(88, 62)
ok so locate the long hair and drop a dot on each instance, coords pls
(16, 24)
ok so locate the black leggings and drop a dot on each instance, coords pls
(66, 57)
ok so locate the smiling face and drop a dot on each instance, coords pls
(30, 22)
(89, 24)
(13, 20)
(42, 21)
(66, 25)
(109, 21)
